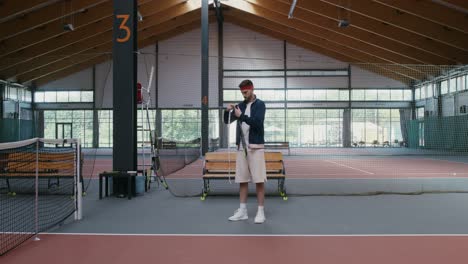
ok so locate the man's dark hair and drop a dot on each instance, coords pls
(245, 83)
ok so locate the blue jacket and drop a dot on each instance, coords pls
(255, 121)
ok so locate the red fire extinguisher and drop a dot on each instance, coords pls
(139, 98)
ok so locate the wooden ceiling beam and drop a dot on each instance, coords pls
(106, 47)
(11, 8)
(405, 21)
(316, 48)
(458, 3)
(102, 58)
(366, 53)
(291, 39)
(60, 10)
(432, 11)
(83, 34)
(383, 35)
(55, 28)
(357, 54)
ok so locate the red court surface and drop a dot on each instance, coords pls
(173, 249)
(361, 168)
(331, 168)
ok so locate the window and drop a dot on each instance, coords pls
(461, 83)
(105, 121)
(453, 85)
(430, 90)
(358, 95)
(369, 125)
(63, 96)
(420, 112)
(314, 127)
(181, 125)
(396, 95)
(81, 124)
(417, 94)
(444, 87)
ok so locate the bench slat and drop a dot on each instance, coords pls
(222, 175)
(224, 156)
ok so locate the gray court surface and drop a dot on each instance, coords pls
(158, 212)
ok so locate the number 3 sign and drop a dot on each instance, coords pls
(124, 27)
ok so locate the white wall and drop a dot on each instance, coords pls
(82, 80)
(448, 104)
(300, 58)
(180, 70)
(462, 100)
(104, 77)
(451, 103)
(246, 49)
(361, 78)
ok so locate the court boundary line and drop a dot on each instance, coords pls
(261, 235)
(342, 165)
(386, 178)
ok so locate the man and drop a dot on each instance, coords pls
(250, 160)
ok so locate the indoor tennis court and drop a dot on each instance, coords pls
(126, 127)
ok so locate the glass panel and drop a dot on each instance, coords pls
(293, 95)
(306, 95)
(444, 87)
(320, 127)
(87, 96)
(461, 83)
(358, 95)
(270, 95)
(371, 95)
(39, 97)
(27, 96)
(274, 125)
(344, 95)
(181, 125)
(105, 128)
(430, 90)
(371, 126)
(320, 95)
(232, 95)
(50, 97)
(384, 95)
(407, 95)
(396, 95)
(13, 94)
(74, 96)
(334, 127)
(453, 85)
(333, 95)
(62, 97)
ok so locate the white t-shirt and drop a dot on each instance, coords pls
(246, 128)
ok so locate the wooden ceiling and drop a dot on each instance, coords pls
(392, 37)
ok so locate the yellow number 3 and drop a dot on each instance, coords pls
(124, 27)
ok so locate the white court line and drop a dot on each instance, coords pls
(342, 165)
(261, 235)
(352, 175)
(436, 173)
(459, 162)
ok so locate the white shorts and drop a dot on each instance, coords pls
(252, 168)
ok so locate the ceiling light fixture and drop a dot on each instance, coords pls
(291, 10)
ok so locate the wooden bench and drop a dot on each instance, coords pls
(278, 145)
(222, 165)
(49, 164)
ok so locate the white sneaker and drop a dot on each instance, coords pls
(260, 217)
(239, 214)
